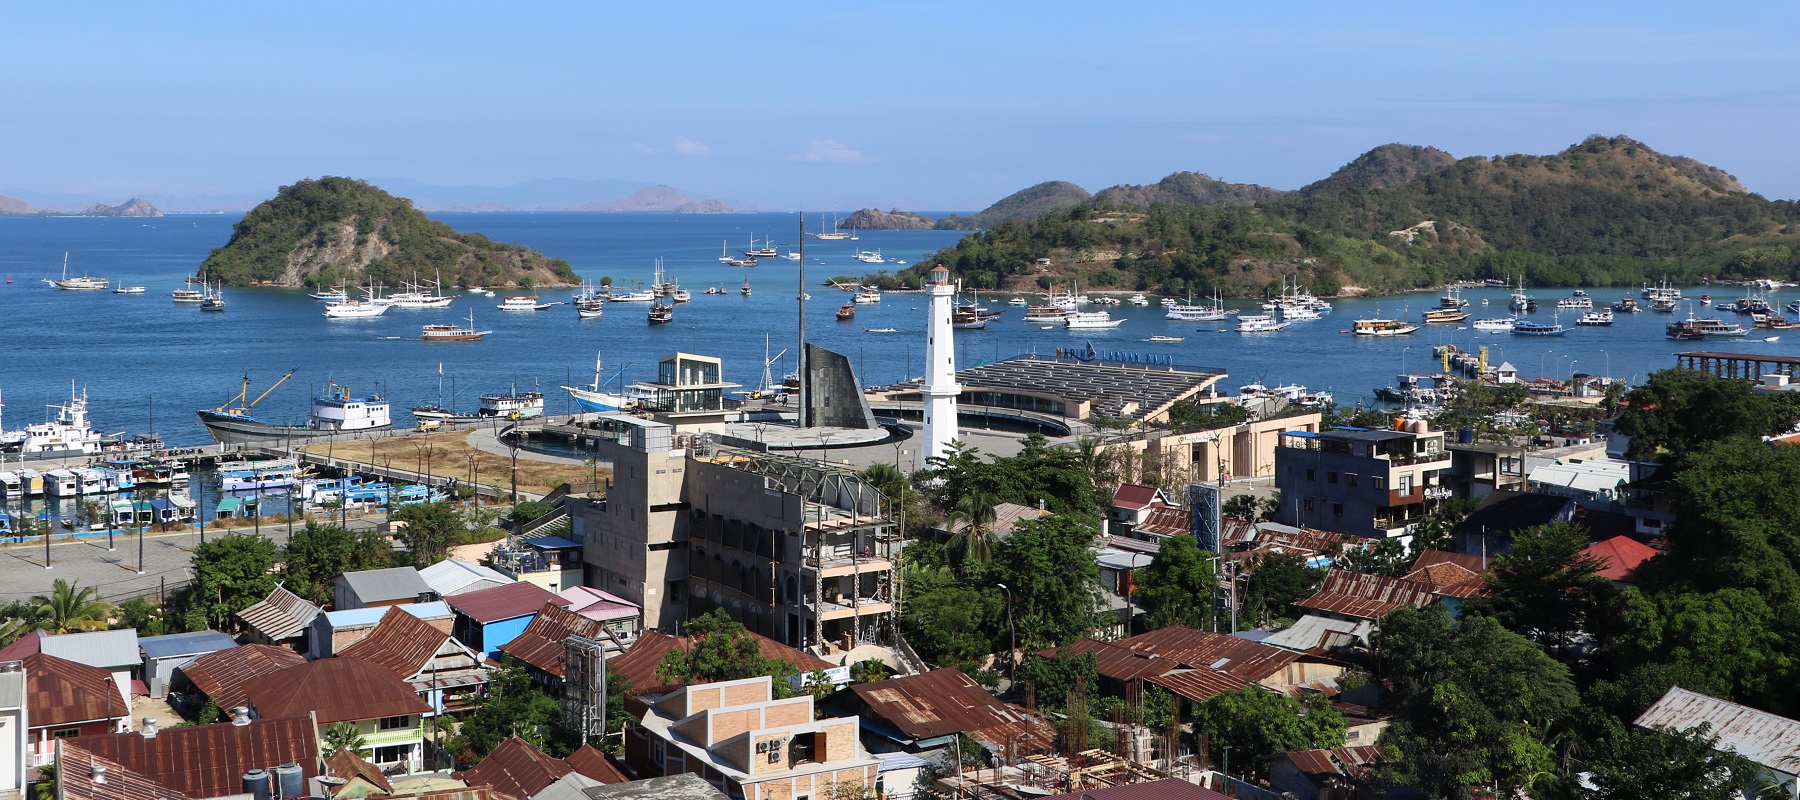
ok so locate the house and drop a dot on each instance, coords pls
(1353, 596)
(1122, 672)
(1163, 522)
(1132, 504)
(1477, 469)
(386, 710)
(1217, 455)
(15, 725)
(451, 576)
(1619, 558)
(552, 562)
(540, 645)
(622, 618)
(220, 676)
(333, 631)
(928, 711)
(209, 761)
(488, 618)
(350, 776)
(1274, 668)
(64, 699)
(81, 775)
(738, 737)
(518, 769)
(113, 651)
(640, 662)
(1163, 789)
(445, 672)
(1007, 518)
(1593, 482)
(674, 787)
(1328, 773)
(1322, 636)
(1369, 483)
(380, 587)
(162, 654)
(1771, 742)
(1490, 527)
(281, 618)
(1453, 577)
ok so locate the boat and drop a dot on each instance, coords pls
(1494, 324)
(1596, 318)
(1660, 292)
(1452, 299)
(1526, 327)
(1161, 338)
(1259, 323)
(69, 434)
(522, 302)
(187, 295)
(335, 412)
(895, 330)
(1092, 320)
(82, 283)
(833, 235)
(745, 289)
(1574, 303)
(1046, 316)
(1199, 313)
(1138, 300)
(1665, 305)
(1684, 331)
(514, 405)
(1719, 328)
(354, 309)
(967, 319)
(242, 476)
(441, 332)
(129, 290)
(766, 251)
(593, 397)
(590, 308)
(869, 257)
(214, 300)
(680, 296)
(1627, 305)
(337, 295)
(791, 256)
(1382, 327)
(416, 297)
(1520, 300)
(1295, 313)
(631, 296)
(846, 312)
(867, 295)
(1438, 316)
(661, 314)
(1020, 301)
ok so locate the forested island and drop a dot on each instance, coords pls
(341, 230)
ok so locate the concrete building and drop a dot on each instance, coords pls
(1371, 483)
(15, 742)
(380, 587)
(940, 389)
(689, 391)
(162, 654)
(1244, 450)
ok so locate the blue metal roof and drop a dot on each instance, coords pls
(553, 543)
(185, 644)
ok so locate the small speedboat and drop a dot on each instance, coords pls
(880, 330)
(1161, 338)
(129, 290)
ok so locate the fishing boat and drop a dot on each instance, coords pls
(187, 295)
(1627, 305)
(82, 283)
(869, 257)
(968, 320)
(745, 289)
(335, 412)
(441, 332)
(1596, 318)
(337, 295)
(593, 397)
(1046, 316)
(1438, 316)
(129, 290)
(846, 312)
(1494, 324)
(1382, 327)
(1161, 338)
(522, 302)
(1259, 323)
(1526, 327)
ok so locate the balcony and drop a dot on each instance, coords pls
(842, 607)
(1407, 458)
(842, 561)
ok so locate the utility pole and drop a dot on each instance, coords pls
(801, 355)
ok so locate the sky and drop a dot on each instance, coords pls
(916, 105)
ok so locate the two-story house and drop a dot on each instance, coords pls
(1371, 483)
(385, 709)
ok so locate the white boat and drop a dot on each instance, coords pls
(833, 235)
(1382, 327)
(1494, 325)
(441, 332)
(129, 290)
(1020, 301)
(1139, 300)
(523, 302)
(635, 296)
(417, 297)
(1596, 318)
(83, 283)
(214, 299)
(1161, 338)
(870, 257)
(1574, 303)
(1258, 323)
(791, 256)
(880, 330)
(68, 434)
(335, 412)
(1047, 316)
(593, 397)
(337, 295)
(1295, 313)
(867, 295)
(188, 295)
(354, 309)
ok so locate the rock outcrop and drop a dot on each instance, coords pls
(870, 219)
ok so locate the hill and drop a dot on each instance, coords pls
(1384, 167)
(1023, 204)
(320, 232)
(1188, 189)
(15, 206)
(134, 207)
(658, 198)
(870, 219)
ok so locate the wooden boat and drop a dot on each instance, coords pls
(846, 312)
(452, 333)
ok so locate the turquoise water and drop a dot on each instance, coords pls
(148, 364)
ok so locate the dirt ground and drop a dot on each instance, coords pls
(449, 456)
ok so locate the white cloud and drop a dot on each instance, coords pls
(828, 150)
(688, 147)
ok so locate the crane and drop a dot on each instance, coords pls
(242, 409)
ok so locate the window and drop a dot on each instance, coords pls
(1350, 478)
(1312, 475)
(1405, 484)
(394, 723)
(394, 754)
(1337, 509)
(1379, 482)
(1331, 477)
(66, 733)
(1308, 503)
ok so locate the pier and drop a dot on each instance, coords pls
(1741, 366)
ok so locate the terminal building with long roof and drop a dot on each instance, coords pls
(1075, 385)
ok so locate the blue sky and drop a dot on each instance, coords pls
(936, 106)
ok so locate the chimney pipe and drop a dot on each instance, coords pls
(240, 716)
(149, 728)
(97, 773)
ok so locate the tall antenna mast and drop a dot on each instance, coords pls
(805, 418)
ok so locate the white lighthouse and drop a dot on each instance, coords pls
(940, 389)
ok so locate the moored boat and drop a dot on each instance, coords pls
(335, 412)
(1444, 315)
(1382, 327)
(1526, 327)
(1259, 323)
(441, 332)
(1596, 318)
(1091, 320)
(593, 397)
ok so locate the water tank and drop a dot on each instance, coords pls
(256, 784)
(1420, 426)
(1465, 435)
(290, 781)
(1400, 424)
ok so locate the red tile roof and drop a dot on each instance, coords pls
(1620, 557)
(221, 675)
(1242, 658)
(334, 690)
(946, 701)
(346, 764)
(590, 762)
(1165, 789)
(1356, 594)
(400, 643)
(75, 778)
(516, 768)
(640, 662)
(62, 692)
(1200, 685)
(210, 760)
(541, 643)
(503, 602)
(1134, 496)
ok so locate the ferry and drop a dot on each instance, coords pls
(522, 302)
(1574, 303)
(1259, 323)
(70, 434)
(1382, 327)
(1684, 330)
(1091, 320)
(1525, 327)
(187, 295)
(1596, 318)
(1719, 328)
(335, 412)
(1444, 315)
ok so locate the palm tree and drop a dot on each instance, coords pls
(887, 480)
(68, 609)
(975, 513)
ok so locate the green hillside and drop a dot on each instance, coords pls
(1026, 203)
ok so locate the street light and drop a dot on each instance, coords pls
(1608, 365)
(1012, 665)
(1541, 361)
(1403, 358)
(1572, 364)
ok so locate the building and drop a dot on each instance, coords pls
(1619, 558)
(518, 769)
(1371, 483)
(1221, 454)
(640, 662)
(333, 631)
(162, 654)
(386, 710)
(623, 618)
(65, 699)
(689, 391)
(445, 672)
(380, 587)
(635, 541)
(1323, 636)
(451, 576)
(1131, 504)
(15, 726)
(209, 761)
(116, 652)
(674, 787)
(540, 645)
(281, 618)
(487, 619)
(1360, 597)
(940, 389)
(742, 740)
(81, 775)
(352, 777)
(1478, 469)
(1160, 789)
(220, 676)
(1770, 741)
(1328, 773)
(1593, 482)
(928, 711)
(552, 562)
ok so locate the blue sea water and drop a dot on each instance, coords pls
(148, 364)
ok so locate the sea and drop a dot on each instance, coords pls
(146, 364)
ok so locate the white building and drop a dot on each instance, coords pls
(940, 389)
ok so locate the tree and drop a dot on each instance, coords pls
(1469, 703)
(147, 618)
(515, 707)
(1241, 506)
(870, 670)
(1255, 722)
(1681, 410)
(318, 553)
(68, 609)
(1276, 580)
(946, 621)
(1545, 587)
(971, 521)
(1177, 587)
(1049, 565)
(1053, 475)
(1737, 522)
(1730, 643)
(1056, 678)
(343, 736)
(529, 510)
(722, 650)
(1375, 557)
(430, 530)
(1628, 762)
(231, 572)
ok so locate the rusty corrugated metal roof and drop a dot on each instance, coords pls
(1116, 662)
(1165, 521)
(279, 616)
(1357, 594)
(75, 778)
(946, 701)
(210, 760)
(221, 675)
(516, 768)
(541, 643)
(60, 692)
(1199, 685)
(346, 764)
(1252, 661)
(1764, 738)
(1448, 580)
(589, 761)
(400, 643)
(503, 602)
(334, 690)
(1348, 762)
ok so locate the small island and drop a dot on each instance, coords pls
(336, 230)
(871, 219)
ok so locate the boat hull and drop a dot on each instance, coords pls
(226, 429)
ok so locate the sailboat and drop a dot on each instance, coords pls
(729, 260)
(745, 290)
(660, 313)
(83, 283)
(592, 397)
(832, 235)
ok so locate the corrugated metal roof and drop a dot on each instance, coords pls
(185, 644)
(1252, 661)
(346, 764)
(280, 616)
(1318, 635)
(943, 702)
(1764, 738)
(221, 675)
(686, 786)
(1448, 580)
(334, 690)
(401, 644)
(1116, 662)
(541, 643)
(553, 543)
(59, 692)
(1349, 762)
(450, 577)
(1165, 521)
(516, 768)
(1357, 594)
(210, 760)
(595, 604)
(503, 602)
(75, 778)
(104, 649)
(1165, 789)
(1199, 685)
(12, 689)
(382, 585)
(353, 617)
(589, 761)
